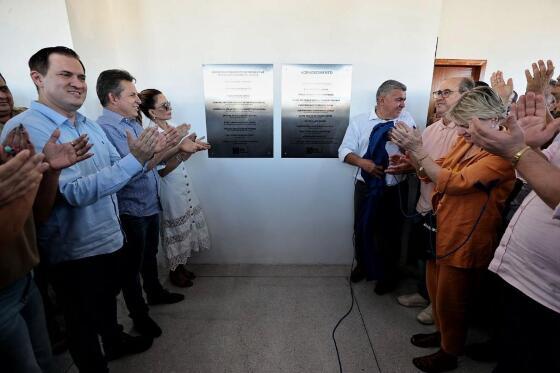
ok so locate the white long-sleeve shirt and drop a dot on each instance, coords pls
(356, 139)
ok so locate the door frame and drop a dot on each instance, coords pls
(449, 62)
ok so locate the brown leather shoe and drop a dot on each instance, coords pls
(441, 361)
(426, 340)
(179, 279)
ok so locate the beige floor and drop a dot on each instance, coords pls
(252, 318)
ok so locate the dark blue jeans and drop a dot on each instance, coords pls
(24, 340)
(139, 257)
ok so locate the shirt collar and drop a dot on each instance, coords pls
(53, 115)
(112, 117)
(373, 116)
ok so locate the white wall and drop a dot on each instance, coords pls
(261, 210)
(276, 210)
(26, 27)
(510, 34)
(266, 210)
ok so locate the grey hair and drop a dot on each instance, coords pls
(387, 86)
(480, 102)
(465, 85)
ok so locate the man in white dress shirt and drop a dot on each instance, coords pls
(387, 224)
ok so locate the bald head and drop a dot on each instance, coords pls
(453, 88)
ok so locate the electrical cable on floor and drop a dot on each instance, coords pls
(363, 323)
(343, 317)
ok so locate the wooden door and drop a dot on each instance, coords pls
(449, 68)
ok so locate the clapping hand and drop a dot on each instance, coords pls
(406, 138)
(538, 82)
(399, 164)
(172, 137)
(183, 129)
(144, 147)
(503, 89)
(531, 116)
(526, 125)
(16, 141)
(21, 170)
(60, 156)
(190, 146)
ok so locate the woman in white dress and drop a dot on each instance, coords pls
(183, 228)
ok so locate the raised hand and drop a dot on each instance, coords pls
(20, 174)
(538, 81)
(60, 156)
(144, 147)
(503, 89)
(531, 115)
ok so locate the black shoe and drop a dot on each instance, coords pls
(439, 362)
(484, 351)
(126, 345)
(426, 340)
(165, 297)
(190, 275)
(385, 286)
(146, 326)
(357, 275)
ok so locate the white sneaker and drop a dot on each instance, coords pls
(412, 300)
(425, 316)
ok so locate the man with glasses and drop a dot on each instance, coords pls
(438, 138)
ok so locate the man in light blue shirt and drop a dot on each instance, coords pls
(81, 239)
(379, 262)
(139, 205)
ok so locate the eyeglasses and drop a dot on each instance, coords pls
(166, 105)
(445, 93)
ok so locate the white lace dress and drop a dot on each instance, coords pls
(183, 229)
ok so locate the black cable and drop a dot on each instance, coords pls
(453, 251)
(415, 214)
(345, 315)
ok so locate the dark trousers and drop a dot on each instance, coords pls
(419, 243)
(387, 225)
(139, 257)
(529, 335)
(87, 289)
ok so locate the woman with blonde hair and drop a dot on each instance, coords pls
(471, 187)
